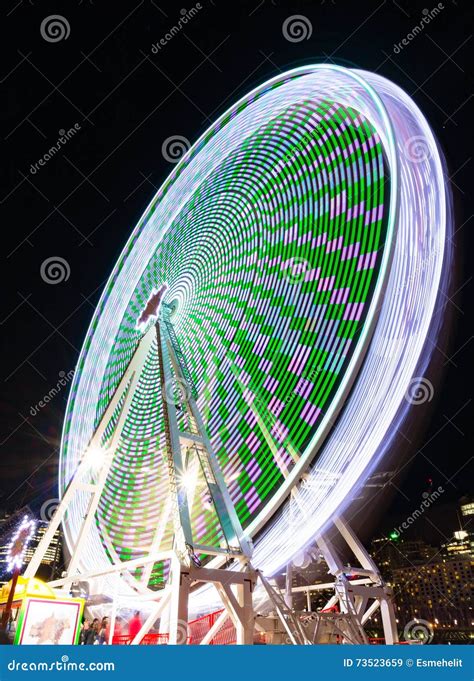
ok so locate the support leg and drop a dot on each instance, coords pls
(246, 623)
(179, 604)
(389, 622)
(289, 585)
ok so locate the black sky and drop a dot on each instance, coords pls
(126, 100)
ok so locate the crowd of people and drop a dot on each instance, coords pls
(97, 632)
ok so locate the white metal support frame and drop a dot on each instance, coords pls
(291, 622)
(235, 585)
(358, 599)
(171, 360)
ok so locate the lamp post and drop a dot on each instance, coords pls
(8, 606)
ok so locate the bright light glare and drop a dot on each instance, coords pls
(96, 458)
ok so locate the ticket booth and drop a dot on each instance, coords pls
(41, 616)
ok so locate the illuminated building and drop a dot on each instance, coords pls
(440, 592)
(467, 508)
(53, 554)
(461, 545)
(392, 552)
(52, 557)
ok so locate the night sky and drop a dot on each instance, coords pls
(123, 100)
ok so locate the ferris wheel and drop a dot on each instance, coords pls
(251, 354)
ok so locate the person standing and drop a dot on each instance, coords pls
(134, 625)
(92, 632)
(86, 627)
(103, 636)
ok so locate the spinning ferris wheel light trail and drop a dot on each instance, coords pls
(248, 360)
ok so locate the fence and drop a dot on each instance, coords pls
(197, 629)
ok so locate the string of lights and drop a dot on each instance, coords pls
(19, 543)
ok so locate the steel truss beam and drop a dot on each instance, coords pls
(354, 596)
(195, 442)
